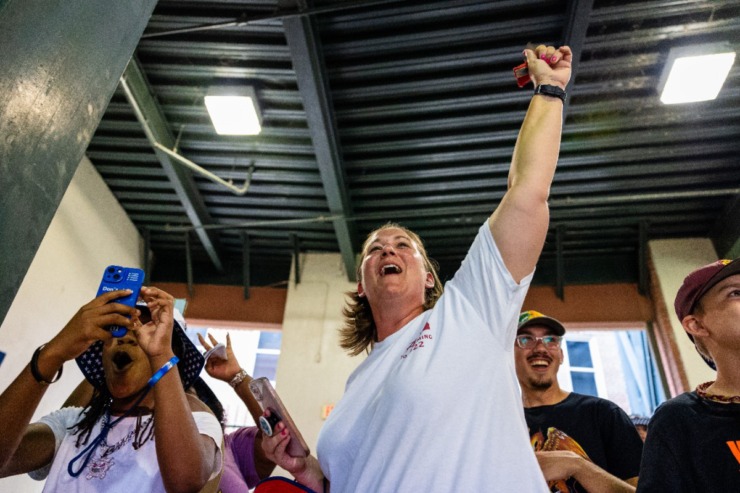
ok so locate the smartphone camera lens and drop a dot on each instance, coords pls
(267, 423)
(116, 276)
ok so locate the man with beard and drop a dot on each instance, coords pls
(583, 443)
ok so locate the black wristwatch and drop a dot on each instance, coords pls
(549, 90)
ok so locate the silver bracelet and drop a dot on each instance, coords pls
(238, 378)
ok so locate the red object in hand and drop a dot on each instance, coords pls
(521, 72)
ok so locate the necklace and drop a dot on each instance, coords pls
(701, 391)
(99, 466)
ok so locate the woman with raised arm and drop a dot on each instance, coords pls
(436, 407)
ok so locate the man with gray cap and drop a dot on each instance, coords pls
(583, 443)
(694, 439)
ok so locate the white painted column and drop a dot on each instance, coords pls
(312, 370)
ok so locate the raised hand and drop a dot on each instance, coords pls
(219, 368)
(155, 337)
(549, 65)
(89, 325)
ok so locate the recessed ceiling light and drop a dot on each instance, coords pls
(234, 111)
(695, 73)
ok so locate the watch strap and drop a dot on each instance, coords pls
(549, 90)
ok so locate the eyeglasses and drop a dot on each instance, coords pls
(526, 341)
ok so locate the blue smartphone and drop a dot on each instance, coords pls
(116, 277)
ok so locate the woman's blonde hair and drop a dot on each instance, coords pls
(359, 332)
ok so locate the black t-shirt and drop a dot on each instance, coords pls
(693, 445)
(596, 426)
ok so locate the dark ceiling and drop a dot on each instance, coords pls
(408, 111)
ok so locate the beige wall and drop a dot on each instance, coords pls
(313, 369)
(89, 231)
(673, 260)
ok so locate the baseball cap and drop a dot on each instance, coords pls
(701, 280)
(533, 317)
(696, 285)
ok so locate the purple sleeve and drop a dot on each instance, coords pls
(241, 447)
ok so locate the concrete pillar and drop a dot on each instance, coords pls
(59, 65)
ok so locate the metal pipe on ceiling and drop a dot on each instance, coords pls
(272, 16)
(207, 174)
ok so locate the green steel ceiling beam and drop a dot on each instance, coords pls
(314, 88)
(574, 35)
(155, 126)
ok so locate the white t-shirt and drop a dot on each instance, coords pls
(436, 406)
(124, 470)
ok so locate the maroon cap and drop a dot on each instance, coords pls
(700, 281)
(696, 285)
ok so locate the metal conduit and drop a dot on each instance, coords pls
(207, 174)
(268, 17)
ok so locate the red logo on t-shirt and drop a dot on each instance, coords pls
(418, 343)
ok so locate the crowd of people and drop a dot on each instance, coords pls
(459, 390)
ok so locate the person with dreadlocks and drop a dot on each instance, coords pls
(140, 431)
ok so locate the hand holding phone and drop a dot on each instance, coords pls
(265, 394)
(116, 277)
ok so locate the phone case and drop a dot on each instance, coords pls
(265, 394)
(116, 277)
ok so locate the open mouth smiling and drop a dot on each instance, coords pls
(389, 269)
(539, 362)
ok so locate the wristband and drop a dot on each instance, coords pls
(162, 371)
(35, 368)
(549, 90)
(238, 378)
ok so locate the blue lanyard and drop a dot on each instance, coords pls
(88, 451)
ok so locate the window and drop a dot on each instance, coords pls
(266, 355)
(582, 372)
(614, 364)
(582, 369)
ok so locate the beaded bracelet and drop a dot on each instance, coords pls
(162, 371)
(35, 368)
